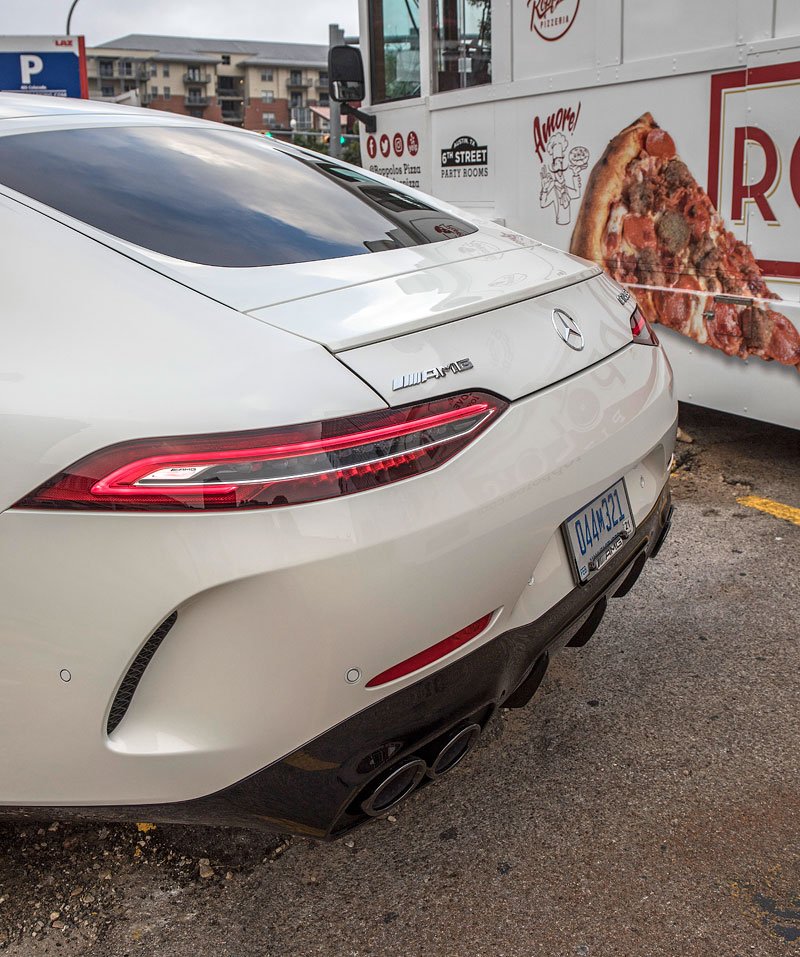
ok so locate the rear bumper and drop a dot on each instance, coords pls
(275, 607)
(316, 790)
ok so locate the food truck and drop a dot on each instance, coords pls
(661, 140)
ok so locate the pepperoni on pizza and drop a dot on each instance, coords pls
(647, 220)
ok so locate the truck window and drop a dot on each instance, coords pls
(462, 44)
(394, 49)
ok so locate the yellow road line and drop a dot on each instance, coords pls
(787, 512)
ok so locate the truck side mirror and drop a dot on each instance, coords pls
(346, 74)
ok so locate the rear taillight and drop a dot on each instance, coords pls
(273, 467)
(641, 329)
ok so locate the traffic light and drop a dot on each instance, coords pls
(342, 139)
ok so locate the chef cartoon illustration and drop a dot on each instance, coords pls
(561, 176)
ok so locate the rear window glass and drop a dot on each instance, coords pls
(216, 197)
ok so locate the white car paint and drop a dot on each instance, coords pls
(104, 344)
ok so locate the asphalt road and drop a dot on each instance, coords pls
(646, 803)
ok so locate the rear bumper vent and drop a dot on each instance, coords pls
(133, 676)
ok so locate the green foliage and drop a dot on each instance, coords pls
(351, 152)
(350, 149)
(316, 143)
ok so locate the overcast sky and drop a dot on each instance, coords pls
(99, 20)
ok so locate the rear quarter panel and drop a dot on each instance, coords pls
(99, 349)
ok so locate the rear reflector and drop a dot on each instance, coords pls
(427, 657)
(272, 467)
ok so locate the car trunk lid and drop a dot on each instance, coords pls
(363, 312)
(495, 322)
(513, 350)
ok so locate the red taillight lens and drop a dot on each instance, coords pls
(641, 329)
(273, 467)
(429, 655)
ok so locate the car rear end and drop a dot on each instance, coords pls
(330, 621)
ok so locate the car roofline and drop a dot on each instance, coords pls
(31, 105)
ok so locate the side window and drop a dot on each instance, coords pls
(394, 49)
(462, 44)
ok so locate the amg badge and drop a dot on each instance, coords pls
(438, 372)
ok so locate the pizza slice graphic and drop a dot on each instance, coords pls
(645, 219)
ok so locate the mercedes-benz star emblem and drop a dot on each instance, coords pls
(568, 329)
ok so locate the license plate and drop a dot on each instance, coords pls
(598, 530)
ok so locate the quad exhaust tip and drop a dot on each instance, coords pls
(456, 748)
(395, 787)
(406, 776)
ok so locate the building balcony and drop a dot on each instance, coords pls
(301, 118)
(196, 101)
(139, 71)
(196, 77)
(116, 70)
(298, 83)
(232, 116)
(230, 95)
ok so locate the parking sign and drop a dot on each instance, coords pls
(55, 66)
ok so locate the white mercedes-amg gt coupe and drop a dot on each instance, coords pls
(304, 474)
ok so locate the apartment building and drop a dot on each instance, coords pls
(249, 83)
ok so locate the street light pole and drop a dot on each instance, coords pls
(69, 15)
